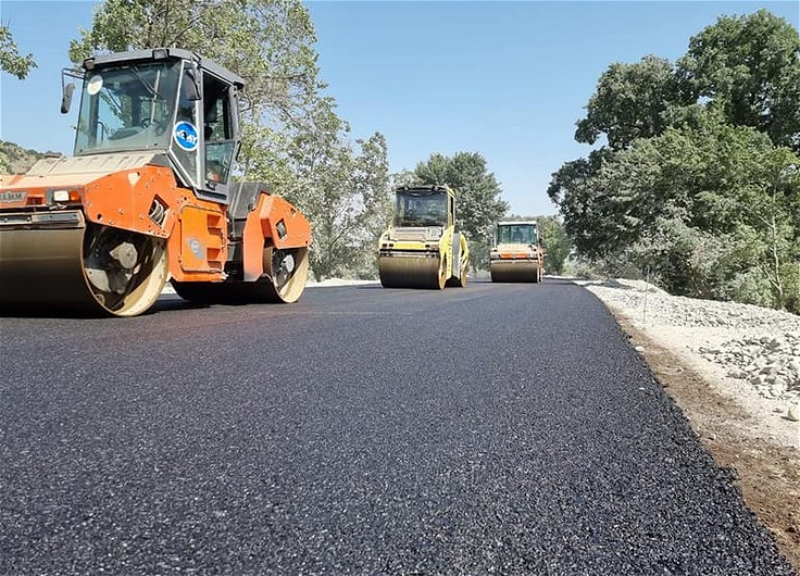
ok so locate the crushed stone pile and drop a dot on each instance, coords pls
(765, 349)
(770, 364)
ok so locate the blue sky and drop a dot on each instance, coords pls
(505, 79)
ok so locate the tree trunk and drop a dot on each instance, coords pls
(776, 258)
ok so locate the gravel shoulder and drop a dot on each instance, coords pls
(734, 370)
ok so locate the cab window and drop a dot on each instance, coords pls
(218, 128)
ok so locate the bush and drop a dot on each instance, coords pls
(580, 268)
(750, 287)
(790, 277)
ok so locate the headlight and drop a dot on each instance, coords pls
(433, 233)
(66, 196)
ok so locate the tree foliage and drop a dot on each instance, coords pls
(749, 66)
(11, 61)
(344, 191)
(590, 219)
(632, 101)
(704, 206)
(698, 184)
(556, 243)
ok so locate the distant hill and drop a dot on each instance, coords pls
(16, 160)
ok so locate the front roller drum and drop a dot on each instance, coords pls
(57, 262)
(411, 270)
(283, 281)
(514, 271)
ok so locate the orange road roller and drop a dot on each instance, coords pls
(147, 197)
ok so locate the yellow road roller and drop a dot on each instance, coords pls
(421, 249)
(516, 255)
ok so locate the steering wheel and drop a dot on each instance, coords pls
(125, 132)
(158, 126)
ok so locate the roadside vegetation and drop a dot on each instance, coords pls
(16, 160)
(692, 181)
(696, 183)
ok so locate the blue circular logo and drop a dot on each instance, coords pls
(185, 135)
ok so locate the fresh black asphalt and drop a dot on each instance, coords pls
(496, 429)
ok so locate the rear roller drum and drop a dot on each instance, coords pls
(284, 279)
(514, 272)
(459, 268)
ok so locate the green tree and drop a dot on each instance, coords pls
(344, 191)
(403, 178)
(708, 210)
(694, 185)
(556, 243)
(11, 60)
(750, 66)
(478, 202)
(775, 214)
(631, 101)
(354, 210)
(590, 212)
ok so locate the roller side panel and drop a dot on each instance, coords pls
(457, 278)
(276, 222)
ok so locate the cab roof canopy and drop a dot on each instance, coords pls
(529, 222)
(425, 189)
(156, 54)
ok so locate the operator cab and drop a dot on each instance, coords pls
(164, 100)
(517, 233)
(424, 206)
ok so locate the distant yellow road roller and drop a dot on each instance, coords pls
(421, 249)
(516, 255)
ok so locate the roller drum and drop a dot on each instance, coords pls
(43, 269)
(47, 260)
(411, 270)
(514, 271)
(285, 275)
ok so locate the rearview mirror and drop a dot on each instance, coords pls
(68, 89)
(192, 89)
(66, 97)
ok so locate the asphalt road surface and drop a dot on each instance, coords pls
(497, 429)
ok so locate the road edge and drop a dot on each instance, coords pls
(767, 475)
